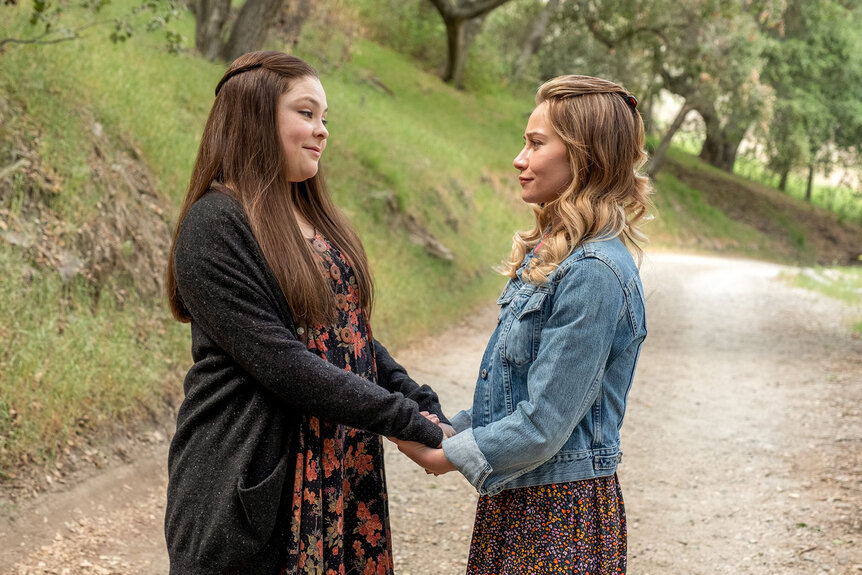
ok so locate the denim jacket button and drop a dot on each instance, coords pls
(484, 374)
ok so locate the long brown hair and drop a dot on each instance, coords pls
(240, 145)
(604, 135)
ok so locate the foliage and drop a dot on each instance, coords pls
(842, 196)
(813, 57)
(55, 21)
(410, 27)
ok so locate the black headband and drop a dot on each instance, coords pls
(235, 72)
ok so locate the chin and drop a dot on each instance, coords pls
(304, 176)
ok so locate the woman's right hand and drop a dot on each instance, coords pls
(432, 459)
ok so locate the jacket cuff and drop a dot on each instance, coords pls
(464, 453)
(462, 420)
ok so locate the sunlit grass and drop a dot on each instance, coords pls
(403, 146)
(842, 283)
(429, 153)
(71, 366)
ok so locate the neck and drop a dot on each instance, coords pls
(306, 228)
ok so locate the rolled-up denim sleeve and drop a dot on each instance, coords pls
(462, 420)
(464, 453)
(562, 383)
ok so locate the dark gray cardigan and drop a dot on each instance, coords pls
(231, 462)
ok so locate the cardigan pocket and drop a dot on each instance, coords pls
(261, 502)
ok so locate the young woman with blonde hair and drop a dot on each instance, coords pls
(541, 443)
(276, 466)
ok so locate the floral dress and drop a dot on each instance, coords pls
(340, 521)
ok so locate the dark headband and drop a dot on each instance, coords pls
(235, 72)
(628, 98)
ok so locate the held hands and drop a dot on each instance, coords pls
(432, 459)
(448, 430)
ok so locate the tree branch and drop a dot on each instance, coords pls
(627, 34)
(481, 8)
(74, 34)
(450, 12)
(444, 7)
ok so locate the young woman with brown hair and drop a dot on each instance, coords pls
(541, 443)
(276, 466)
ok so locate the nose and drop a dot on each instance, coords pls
(520, 162)
(320, 130)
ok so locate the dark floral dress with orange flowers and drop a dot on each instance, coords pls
(340, 522)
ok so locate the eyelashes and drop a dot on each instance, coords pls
(310, 115)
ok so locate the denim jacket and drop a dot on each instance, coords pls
(555, 376)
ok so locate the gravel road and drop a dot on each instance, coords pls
(743, 446)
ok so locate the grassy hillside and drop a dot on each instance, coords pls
(96, 145)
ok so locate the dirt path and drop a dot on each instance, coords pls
(743, 446)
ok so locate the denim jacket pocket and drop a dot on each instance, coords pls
(505, 298)
(522, 340)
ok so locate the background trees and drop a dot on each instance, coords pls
(813, 64)
(778, 74)
(463, 19)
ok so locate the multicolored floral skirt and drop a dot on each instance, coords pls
(562, 528)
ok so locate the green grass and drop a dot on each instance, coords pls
(70, 368)
(841, 283)
(442, 154)
(71, 363)
(147, 101)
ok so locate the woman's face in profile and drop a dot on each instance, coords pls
(302, 127)
(544, 160)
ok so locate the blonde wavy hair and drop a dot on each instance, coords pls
(607, 197)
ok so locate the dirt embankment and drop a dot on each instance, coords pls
(790, 221)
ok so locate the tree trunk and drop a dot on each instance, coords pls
(464, 37)
(720, 152)
(453, 43)
(534, 42)
(291, 18)
(463, 22)
(210, 18)
(782, 183)
(810, 182)
(721, 144)
(660, 152)
(251, 27)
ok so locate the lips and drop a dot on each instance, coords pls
(524, 181)
(314, 149)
